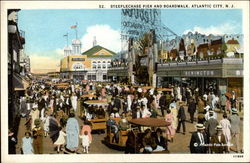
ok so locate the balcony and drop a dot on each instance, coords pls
(203, 62)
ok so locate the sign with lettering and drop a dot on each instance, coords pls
(136, 22)
(199, 73)
(78, 59)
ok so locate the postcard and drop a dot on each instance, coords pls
(124, 81)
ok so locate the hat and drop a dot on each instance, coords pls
(200, 126)
(219, 127)
(234, 110)
(211, 111)
(37, 122)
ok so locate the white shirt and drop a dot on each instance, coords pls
(146, 113)
(201, 138)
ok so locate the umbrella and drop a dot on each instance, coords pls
(91, 102)
(228, 95)
(54, 129)
(88, 95)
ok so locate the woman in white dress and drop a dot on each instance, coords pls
(74, 101)
(226, 129)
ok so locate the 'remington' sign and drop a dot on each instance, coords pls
(200, 73)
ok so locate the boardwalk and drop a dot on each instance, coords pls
(180, 144)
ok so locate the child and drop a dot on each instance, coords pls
(27, 144)
(60, 140)
(85, 141)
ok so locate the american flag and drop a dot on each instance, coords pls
(73, 26)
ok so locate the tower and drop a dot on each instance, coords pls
(67, 51)
(94, 41)
(76, 47)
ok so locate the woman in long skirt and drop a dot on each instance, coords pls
(27, 145)
(226, 129)
(170, 131)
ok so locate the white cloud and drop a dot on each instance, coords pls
(226, 28)
(105, 36)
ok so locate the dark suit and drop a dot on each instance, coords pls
(195, 143)
(181, 117)
(211, 126)
(162, 103)
(218, 146)
(191, 110)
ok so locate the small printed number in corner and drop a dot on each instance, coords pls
(101, 6)
(237, 156)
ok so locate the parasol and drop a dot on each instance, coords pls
(229, 95)
(88, 95)
(54, 129)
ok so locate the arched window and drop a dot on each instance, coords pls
(77, 66)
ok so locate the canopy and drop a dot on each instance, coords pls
(95, 102)
(147, 87)
(151, 122)
(61, 84)
(88, 95)
(165, 89)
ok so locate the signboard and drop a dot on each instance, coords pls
(136, 22)
(77, 59)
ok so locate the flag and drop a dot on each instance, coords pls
(73, 26)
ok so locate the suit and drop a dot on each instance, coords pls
(181, 117)
(218, 146)
(162, 103)
(195, 143)
(191, 110)
(235, 130)
(211, 126)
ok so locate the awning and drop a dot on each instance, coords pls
(19, 83)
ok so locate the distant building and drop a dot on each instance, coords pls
(232, 45)
(90, 65)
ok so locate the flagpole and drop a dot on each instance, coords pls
(67, 39)
(76, 30)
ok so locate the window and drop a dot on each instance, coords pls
(103, 65)
(94, 64)
(77, 66)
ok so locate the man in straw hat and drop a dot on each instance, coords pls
(218, 141)
(235, 128)
(198, 140)
(211, 124)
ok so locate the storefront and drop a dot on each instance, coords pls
(218, 76)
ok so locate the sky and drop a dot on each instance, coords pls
(44, 29)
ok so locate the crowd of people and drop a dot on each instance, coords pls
(52, 110)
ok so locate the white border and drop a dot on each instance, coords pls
(244, 5)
